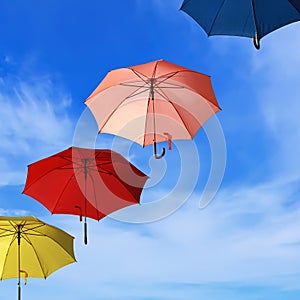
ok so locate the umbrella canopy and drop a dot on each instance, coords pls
(85, 182)
(248, 18)
(32, 248)
(153, 102)
(296, 3)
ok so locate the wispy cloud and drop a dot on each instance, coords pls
(34, 123)
(249, 235)
(277, 68)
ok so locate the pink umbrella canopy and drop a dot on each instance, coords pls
(153, 102)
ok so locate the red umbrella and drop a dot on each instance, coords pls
(86, 182)
(153, 102)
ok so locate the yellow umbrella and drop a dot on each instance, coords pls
(32, 248)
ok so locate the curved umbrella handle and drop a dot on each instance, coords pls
(256, 41)
(155, 152)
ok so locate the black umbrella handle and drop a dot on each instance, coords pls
(85, 233)
(155, 152)
(256, 41)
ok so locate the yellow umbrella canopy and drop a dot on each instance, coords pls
(32, 248)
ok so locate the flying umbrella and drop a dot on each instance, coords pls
(32, 248)
(153, 102)
(296, 3)
(85, 182)
(248, 18)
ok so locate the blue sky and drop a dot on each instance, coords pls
(245, 243)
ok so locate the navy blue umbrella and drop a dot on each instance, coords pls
(248, 18)
(296, 3)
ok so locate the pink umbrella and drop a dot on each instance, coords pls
(153, 102)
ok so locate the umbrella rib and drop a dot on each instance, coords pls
(119, 179)
(215, 18)
(51, 238)
(37, 226)
(139, 76)
(102, 170)
(28, 186)
(132, 85)
(154, 70)
(114, 110)
(190, 89)
(12, 240)
(162, 94)
(184, 123)
(135, 94)
(166, 77)
(184, 86)
(33, 248)
(6, 255)
(70, 161)
(6, 230)
(65, 187)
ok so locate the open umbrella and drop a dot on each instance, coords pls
(296, 3)
(32, 248)
(85, 182)
(248, 18)
(153, 102)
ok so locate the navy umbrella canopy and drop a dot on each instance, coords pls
(296, 3)
(248, 18)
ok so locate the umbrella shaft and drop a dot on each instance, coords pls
(153, 114)
(19, 262)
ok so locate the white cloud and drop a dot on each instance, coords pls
(248, 235)
(34, 123)
(277, 67)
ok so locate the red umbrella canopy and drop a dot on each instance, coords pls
(85, 182)
(153, 102)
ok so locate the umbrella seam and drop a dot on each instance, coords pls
(35, 252)
(191, 89)
(124, 185)
(110, 115)
(185, 126)
(155, 68)
(63, 190)
(14, 236)
(216, 16)
(54, 240)
(38, 178)
(254, 17)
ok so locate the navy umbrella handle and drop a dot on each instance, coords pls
(256, 41)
